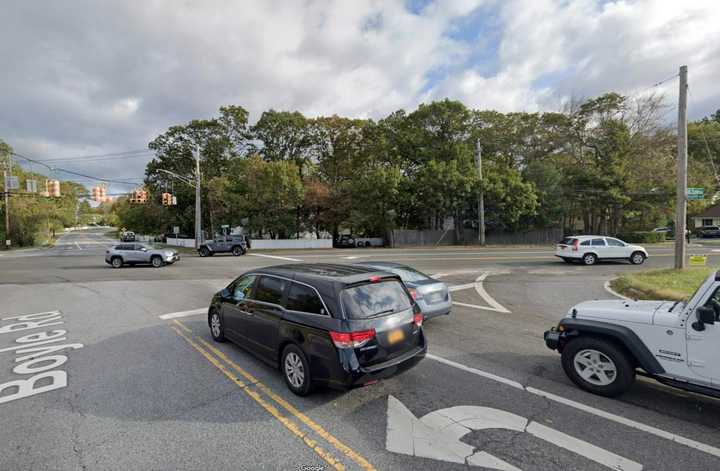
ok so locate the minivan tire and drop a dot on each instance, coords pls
(217, 329)
(624, 369)
(116, 262)
(296, 370)
(589, 259)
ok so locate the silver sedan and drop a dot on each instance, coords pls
(431, 295)
(136, 254)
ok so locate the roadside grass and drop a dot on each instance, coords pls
(667, 284)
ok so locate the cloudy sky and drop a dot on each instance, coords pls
(87, 78)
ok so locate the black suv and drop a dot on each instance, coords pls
(322, 324)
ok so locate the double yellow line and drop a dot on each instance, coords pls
(253, 388)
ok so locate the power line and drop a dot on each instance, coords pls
(57, 169)
(106, 156)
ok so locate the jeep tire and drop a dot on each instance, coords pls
(598, 366)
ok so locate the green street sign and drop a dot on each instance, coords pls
(696, 193)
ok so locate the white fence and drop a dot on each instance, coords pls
(291, 243)
(181, 242)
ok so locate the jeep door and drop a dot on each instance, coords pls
(703, 345)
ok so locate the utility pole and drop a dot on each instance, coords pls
(7, 173)
(198, 213)
(681, 204)
(481, 195)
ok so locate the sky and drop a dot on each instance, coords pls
(85, 78)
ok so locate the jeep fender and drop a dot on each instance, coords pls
(619, 333)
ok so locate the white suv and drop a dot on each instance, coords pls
(591, 248)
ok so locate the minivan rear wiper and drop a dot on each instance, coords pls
(382, 313)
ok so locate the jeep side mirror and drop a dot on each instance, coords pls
(705, 315)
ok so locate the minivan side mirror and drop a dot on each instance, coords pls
(705, 315)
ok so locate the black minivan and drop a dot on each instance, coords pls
(322, 324)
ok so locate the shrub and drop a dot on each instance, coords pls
(642, 237)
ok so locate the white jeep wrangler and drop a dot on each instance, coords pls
(605, 343)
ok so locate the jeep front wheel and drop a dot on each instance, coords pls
(598, 366)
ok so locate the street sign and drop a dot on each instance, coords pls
(176, 229)
(696, 193)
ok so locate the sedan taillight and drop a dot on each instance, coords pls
(352, 339)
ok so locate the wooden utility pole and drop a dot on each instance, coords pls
(681, 204)
(481, 194)
(198, 205)
(7, 173)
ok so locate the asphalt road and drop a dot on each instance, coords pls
(145, 392)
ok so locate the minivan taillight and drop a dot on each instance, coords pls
(352, 339)
(418, 319)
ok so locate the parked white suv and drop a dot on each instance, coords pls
(605, 343)
(590, 248)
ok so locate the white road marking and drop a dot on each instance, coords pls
(352, 257)
(709, 449)
(475, 306)
(437, 435)
(613, 292)
(461, 287)
(176, 315)
(275, 256)
(483, 294)
(78, 246)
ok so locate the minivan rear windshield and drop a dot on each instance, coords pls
(375, 299)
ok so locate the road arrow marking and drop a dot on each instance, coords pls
(478, 285)
(437, 436)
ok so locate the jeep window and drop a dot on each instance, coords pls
(375, 299)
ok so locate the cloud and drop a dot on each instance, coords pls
(92, 77)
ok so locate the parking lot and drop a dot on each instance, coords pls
(145, 387)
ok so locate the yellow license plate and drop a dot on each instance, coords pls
(396, 336)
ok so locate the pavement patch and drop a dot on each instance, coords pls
(585, 408)
(255, 389)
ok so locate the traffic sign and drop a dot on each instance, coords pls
(13, 183)
(696, 193)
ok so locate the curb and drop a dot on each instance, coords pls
(613, 292)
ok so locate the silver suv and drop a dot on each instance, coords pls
(133, 254)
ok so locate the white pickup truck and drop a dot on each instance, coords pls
(604, 344)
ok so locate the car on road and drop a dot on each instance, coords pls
(127, 236)
(139, 254)
(433, 296)
(236, 244)
(338, 326)
(589, 249)
(351, 241)
(668, 231)
(709, 231)
(604, 344)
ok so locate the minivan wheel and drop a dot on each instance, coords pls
(237, 251)
(598, 366)
(637, 258)
(156, 261)
(116, 262)
(216, 327)
(296, 370)
(589, 259)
